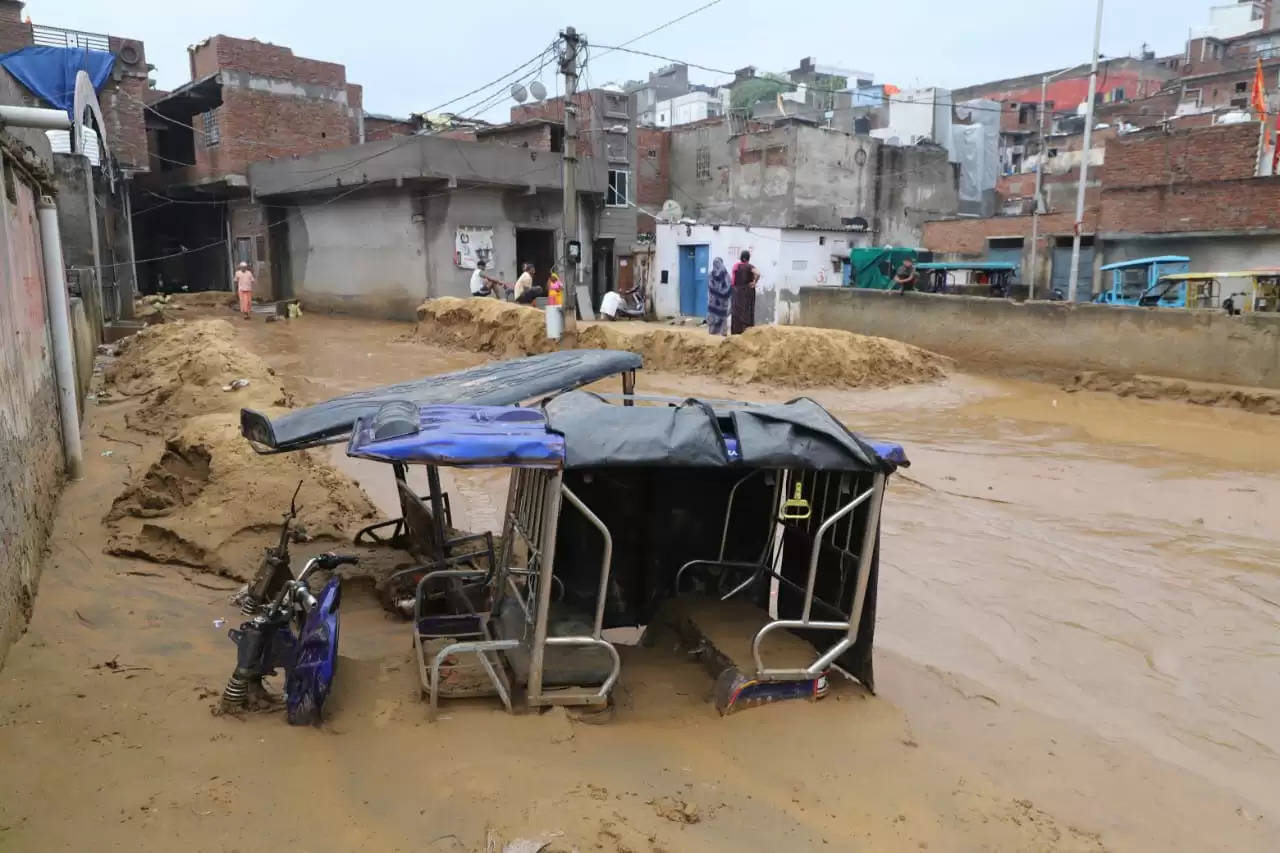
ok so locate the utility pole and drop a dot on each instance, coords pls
(1074, 281)
(1035, 211)
(571, 250)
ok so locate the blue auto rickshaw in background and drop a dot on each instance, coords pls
(1132, 280)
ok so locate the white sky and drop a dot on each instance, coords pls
(411, 55)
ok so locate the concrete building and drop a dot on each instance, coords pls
(788, 259)
(1229, 20)
(375, 229)
(608, 160)
(247, 101)
(792, 174)
(689, 108)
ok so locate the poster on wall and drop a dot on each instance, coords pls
(473, 244)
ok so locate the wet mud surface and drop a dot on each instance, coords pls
(1076, 644)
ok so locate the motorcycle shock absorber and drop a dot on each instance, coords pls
(234, 694)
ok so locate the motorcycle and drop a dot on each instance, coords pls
(296, 631)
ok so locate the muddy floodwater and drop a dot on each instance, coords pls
(1078, 647)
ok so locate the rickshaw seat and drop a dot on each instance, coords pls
(562, 666)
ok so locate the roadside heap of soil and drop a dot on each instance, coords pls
(182, 369)
(1261, 401)
(211, 502)
(786, 355)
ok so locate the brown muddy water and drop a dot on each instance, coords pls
(1110, 561)
(1077, 646)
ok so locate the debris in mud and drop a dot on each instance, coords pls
(1261, 401)
(676, 811)
(787, 355)
(181, 369)
(210, 502)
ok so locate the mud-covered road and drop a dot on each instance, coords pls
(1077, 647)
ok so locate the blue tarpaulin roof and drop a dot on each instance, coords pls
(50, 72)
(464, 436)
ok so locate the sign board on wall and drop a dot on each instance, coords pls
(473, 244)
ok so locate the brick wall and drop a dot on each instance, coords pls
(378, 129)
(249, 221)
(653, 173)
(969, 236)
(355, 109)
(267, 60)
(1235, 205)
(534, 136)
(1154, 158)
(259, 126)
(14, 34)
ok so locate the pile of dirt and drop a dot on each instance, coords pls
(210, 502)
(202, 299)
(1262, 401)
(785, 355)
(182, 369)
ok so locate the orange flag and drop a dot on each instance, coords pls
(1275, 149)
(1259, 102)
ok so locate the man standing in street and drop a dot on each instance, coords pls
(244, 288)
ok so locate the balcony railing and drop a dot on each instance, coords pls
(58, 37)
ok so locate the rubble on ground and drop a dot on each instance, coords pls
(786, 355)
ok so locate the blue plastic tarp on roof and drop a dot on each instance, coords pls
(50, 72)
(465, 437)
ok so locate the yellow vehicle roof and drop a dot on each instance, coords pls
(1205, 276)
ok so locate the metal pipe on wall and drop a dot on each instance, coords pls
(55, 278)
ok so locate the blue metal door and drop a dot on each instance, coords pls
(694, 267)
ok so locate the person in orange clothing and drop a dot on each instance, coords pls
(244, 288)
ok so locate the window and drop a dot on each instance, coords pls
(244, 250)
(262, 247)
(702, 163)
(212, 135)
(619, 192)
(1191, 97)
(1242, 88)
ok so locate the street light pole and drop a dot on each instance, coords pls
(1035, 211)
(1074, 281)
(569, 155)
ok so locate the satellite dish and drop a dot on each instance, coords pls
(538, 90)
(518, 92)
(671, 211)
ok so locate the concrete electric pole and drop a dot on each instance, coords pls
(1074, 281)
(571, 249)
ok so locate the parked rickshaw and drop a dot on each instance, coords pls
(943, 277)
(1236, 292)
(614, 511)
(1133, 279)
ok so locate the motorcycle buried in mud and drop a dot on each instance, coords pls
(291, 629)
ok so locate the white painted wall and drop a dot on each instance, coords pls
(685, 109)
(787, 258)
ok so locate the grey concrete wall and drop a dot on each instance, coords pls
(706, 198)
(382, 254)
(1228, 253)
(1206, 346)
(916, 185)
(77, 222)
(31, 461)
(835, 177)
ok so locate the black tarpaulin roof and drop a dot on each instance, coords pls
(497, 384)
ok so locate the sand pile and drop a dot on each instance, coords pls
(785, 355)
(484, 325)
(182, 368)
(211, 502)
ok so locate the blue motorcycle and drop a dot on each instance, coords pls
(296, 631)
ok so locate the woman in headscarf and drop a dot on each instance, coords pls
(744, 278)
(718, 289)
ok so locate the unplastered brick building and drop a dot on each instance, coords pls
(247, 101)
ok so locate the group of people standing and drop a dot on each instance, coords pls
(731, 296)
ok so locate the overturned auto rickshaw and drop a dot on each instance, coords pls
(756, 524)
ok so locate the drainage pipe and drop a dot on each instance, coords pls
(36, 117)
(55, 278)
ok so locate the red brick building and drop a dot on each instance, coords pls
(121, 96)
(1194, 192)
(247, 101)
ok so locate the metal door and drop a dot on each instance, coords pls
(1060, 276)
(694, 263)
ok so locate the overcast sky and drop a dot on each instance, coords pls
(412, 55)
